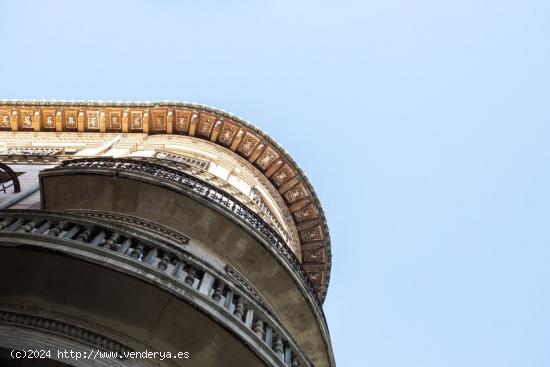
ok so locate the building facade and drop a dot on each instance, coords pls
(132, 230)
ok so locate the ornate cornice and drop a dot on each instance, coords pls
(202, 122)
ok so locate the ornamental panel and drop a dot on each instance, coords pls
(312, 234)
(296, 193)
(316, 255)
(266, 158)
(26, 119)
(136, 120)
(227, 133)
(206, 122)
(159, 120)
(48, 119)
(71, 119)
(115, 120)
(307, 213)
(248, 143)
(5, 119)
(92, 121)
(283, 175)
(183, 117)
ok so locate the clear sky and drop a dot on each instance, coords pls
(424, 126)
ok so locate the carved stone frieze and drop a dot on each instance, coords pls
(282, 175)
(71, 120)
(159, 120)
(206, 122)
(92, 120)
(5, 119)
(136, 120)
(296, 193)
(312, 234)
(26, 119)
(183, 118)
(266, 158)
(314, 255)
(115, 120)
(227, 133)
(48, 119)
(247, 144)
(309, 212)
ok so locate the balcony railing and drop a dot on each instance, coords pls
(221, 199)
(199, 169)
(228, 293)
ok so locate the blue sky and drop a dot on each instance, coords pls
(424, 126)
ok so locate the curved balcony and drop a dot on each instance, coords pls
(219, 198)
(156, 256)
(149, 189)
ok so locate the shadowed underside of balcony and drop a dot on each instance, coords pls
(51, 285)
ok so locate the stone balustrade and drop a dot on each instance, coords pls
(226, 292)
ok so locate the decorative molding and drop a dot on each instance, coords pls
(32, 151)
(138, 222)
(244, 283)
(193, 162)
(63, 329)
